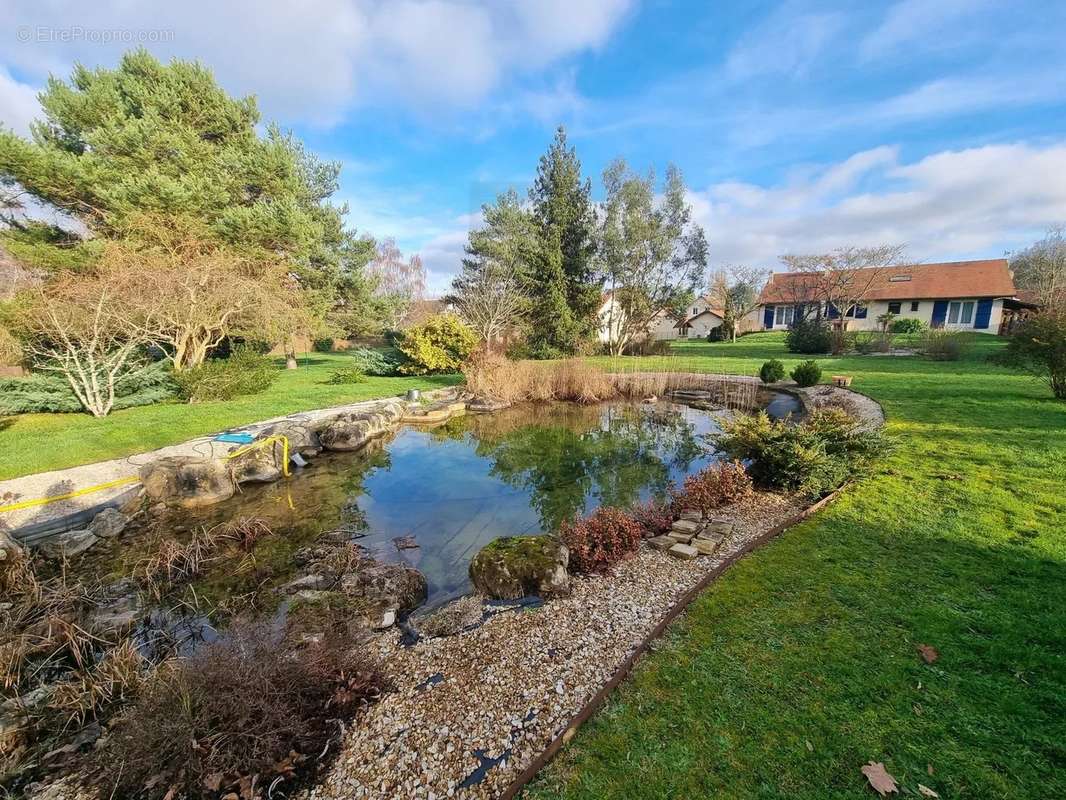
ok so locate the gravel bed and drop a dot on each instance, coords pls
(484, 703)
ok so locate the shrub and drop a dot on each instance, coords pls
(809, 336)
(323, 344)
(347, 375)
(941, 345)
(654, 517)
(243, 373)
(243, 711)
(50, 394)
(840, 341)
(1038, 346)
(648, 347)
(807, 373)
(374, 362)
(714, 487)
(720, 333)
(772, 371)
(907, 325)
(599, 541)
(814, 457)
(439, 345)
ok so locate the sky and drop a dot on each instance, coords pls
(799, 126)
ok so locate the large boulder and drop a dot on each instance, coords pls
(515, 566)
(262, 464)
(69, 544)
(381, 588)
(303, 437)
(354, 431)
(187, 482)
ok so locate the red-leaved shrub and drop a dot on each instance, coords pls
(654, 517)
(713, 487)
(601, 540)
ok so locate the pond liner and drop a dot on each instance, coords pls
(596, 702)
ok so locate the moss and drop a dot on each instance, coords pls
(513, 566)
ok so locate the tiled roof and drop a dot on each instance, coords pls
(988, 278)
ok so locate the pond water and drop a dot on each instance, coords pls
(458, 486)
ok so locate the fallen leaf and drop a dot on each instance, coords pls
(213, 782)
(880, 781)
(928, 652)
(929, 768)
(810, 747)
(925, 791)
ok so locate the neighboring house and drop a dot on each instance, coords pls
(956, 295)
(700, 319)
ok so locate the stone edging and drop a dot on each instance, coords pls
(601, 696)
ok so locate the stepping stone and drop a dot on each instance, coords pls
(683, 538)
(691, 527)
(718, 527)
(705, 547)
(691, 514)
(661, 542)
(683, 551)
(717, 538)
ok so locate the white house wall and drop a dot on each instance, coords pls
(924, 313)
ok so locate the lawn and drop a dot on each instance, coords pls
(38, 442)
(801, 663)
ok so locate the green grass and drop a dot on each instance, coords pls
(800, 664)
(32, 443)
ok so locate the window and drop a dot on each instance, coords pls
(895, 307)
(953, 313)
(783, 315)
(960, 313)
(914, 305)
(695, 310)
(967, 314)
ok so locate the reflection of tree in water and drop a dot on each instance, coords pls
(565, 454)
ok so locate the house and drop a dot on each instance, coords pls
(956, 295)
(700, 319)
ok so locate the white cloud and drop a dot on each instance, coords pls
(912, 22)
(314, 61)
(18, 103)
(787, 42)
(953, 204)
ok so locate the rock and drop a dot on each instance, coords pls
(691, 515)
(303, 438)
(515, 566)
(484, 405)
(384, 587)
(405, 542)
(705, 547)
(116, 616)
(187, 482)
(716, 538)
(109, 523)
(262, 464)
(388, 619)
(682, 538)
(69, 544)
(353, 431)
(10, 551)
(686, 526)
(452, 618)
(683, 551)
(438, 412)
(662, 542)
(305, 582)
(718, 527)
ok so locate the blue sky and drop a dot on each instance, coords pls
(799, 126)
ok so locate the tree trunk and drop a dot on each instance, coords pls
(290, 356)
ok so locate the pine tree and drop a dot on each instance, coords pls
(554, 332)
(562, 208)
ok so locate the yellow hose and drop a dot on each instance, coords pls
(42, 501)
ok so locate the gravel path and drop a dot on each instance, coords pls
(484, 703)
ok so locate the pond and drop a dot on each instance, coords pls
(456, 487)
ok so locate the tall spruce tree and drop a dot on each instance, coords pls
(562, 208)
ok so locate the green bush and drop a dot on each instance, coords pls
(1038, 346)
(814, 457)
(942, 345)
(807, 373)
(439, 345)
(810, 336)
(243, 373)
(374, 362)
(347, 375)
(720, 333)
(907, 325)
(50, 394)
(772, 371)
(323, 344)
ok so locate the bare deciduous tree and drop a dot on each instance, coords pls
(1041, 268)
(400, 283)
(735, 290)
(843, 278)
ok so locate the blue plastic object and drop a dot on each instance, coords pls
(235, 438)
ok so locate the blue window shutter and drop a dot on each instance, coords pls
(768, 317)
(940, 313)
(797, 314)
(984, 314)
